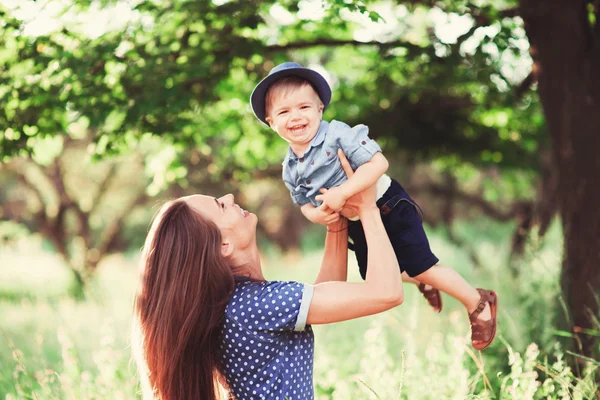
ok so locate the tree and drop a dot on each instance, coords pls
(79, 206)
(565, 45)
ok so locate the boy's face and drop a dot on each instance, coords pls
(296, 116)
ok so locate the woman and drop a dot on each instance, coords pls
(205, 314)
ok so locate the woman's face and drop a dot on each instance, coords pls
(236, 224)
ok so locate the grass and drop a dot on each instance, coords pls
(52, 347)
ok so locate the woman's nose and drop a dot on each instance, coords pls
(228, 199)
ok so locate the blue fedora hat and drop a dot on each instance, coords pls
(257, 98)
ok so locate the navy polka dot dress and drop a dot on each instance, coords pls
(266, 348)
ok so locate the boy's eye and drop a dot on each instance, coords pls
(305, 107)
(281, 112)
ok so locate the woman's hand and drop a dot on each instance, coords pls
(360, 202)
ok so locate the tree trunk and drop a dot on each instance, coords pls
(565, 47)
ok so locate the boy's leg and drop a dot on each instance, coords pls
(403, 220)
(450, 282)
(406, 278)
(431, 294)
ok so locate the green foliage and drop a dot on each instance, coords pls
(184, 70)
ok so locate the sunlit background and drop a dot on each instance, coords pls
(111, 107)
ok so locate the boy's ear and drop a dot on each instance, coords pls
(269, 121)
(226, 248)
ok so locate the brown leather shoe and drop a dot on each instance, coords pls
(433, 296)
(481, 330)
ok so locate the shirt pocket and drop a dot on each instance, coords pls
(330, 171)
(329, 155)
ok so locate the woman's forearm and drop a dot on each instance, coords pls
(383, 272)
(334, 266)
(339, 301)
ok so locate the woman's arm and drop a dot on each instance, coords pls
(334, 266)
(382, 288)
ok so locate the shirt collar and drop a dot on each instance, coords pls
(316, 141)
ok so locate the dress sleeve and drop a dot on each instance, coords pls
(355, 143)
(276, 307)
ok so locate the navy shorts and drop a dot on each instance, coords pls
(402, 218)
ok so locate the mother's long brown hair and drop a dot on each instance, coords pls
(184, 288)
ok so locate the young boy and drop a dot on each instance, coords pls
(291, 100)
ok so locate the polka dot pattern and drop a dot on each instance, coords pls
(263, 357)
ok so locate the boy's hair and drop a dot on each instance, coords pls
(284, 86)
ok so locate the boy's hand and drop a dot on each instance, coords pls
(320, 215)
(325, 216)
(333, 198)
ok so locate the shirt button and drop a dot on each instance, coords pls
(308, 181)
(302, 159)
(363, 142)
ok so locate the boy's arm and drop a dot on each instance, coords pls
(365, 176)
(308, 211)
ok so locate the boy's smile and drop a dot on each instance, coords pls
(296, 117)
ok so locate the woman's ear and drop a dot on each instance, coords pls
(226, 248)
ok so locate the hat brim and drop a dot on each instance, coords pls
(257, 98)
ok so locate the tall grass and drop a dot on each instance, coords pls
(52, 347)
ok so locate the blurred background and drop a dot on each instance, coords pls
(488, 111)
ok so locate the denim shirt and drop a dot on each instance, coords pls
(320, 167)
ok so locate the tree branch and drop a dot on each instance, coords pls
(21, 177)
(335, 43)
(110, 233)
(476, 201)
(102, 187)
